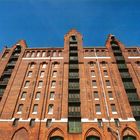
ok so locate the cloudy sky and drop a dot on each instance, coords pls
(44, 22)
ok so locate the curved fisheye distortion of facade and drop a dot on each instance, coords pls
(70, 93)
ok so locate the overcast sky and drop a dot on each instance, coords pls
(45, 22)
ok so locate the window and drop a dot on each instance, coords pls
(56, 138)
(74, 126)
(43, 54)
(54, 53)
(138, 63)
(95, 94)
(29, 73)
(26, 84)
(103, 63)
(92, 64)
(113, 108)
(32, 65)
(20, 108)
(92, 138)
(54, 73)
(40, 84)
(28, 54)
(33, 54)
(93, 73)
(117, 123)
(60, 53)
(50, 109)
(48, 123)
(35, 108)
(98, 108)
(100, 123)
(44, 65)
(53, 84)
(32, 122)
(110, 94)
(105, 73)
(42, 74)
(107, 83)
(23, 96)
(37, 97)
(129, 137)
(52, 96)
(55, 65)
(15, 122)
(94, 84)
(38, 54)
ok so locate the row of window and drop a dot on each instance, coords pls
(44, 65)
(96, 95)
(98, 108)
(104, 72)
(40, 84)
(107, 82)
(98, 52)
(32, 122)
(37, 96)
(42, 73)
(43, 53)
(93, 64)
(35, 109)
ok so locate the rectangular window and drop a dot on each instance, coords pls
(42, 74)
(54, 53)
(35, 108)
(49, 122)
(20, 108)
(107, 83)
(38, 54)
(54, 73)
(105, 73)
(23, 96)
(29, 73)
(94, 84)
(26, 84)
(98, 108)
(44, 65)
(53, 84)
(32, 122)
(37, 97)
(32, 66)
(113, 108)
(100, 123)
(95, 94)
(52, 96)
(50, 109)
(117, 123)
(15, 122)
(74, 126)
(43, 54)
(110, 94)
(93, 73)
(33, 54)
(40, 84)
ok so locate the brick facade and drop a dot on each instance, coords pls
(70, 93)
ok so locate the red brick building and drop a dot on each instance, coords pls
(70, 93)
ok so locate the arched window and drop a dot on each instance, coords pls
(92, 138)
(56, 138)
(129, 137)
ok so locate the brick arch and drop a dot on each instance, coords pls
(92, 132)
(21, 134)
(55, 131)
(130, 131)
